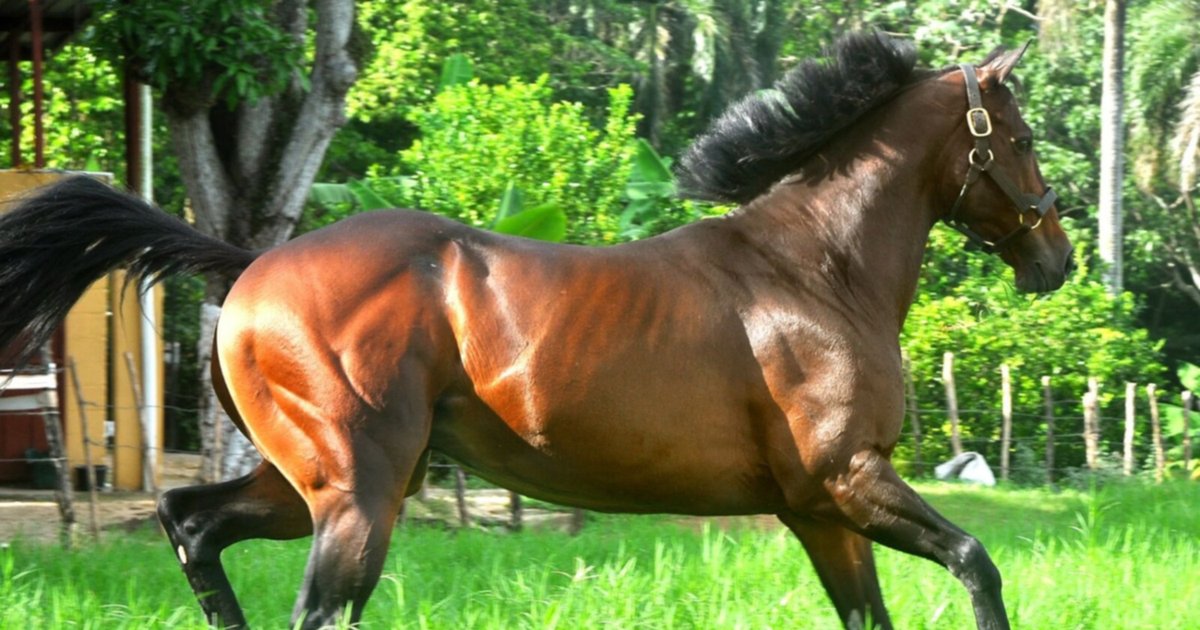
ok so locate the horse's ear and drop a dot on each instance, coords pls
(999, 65)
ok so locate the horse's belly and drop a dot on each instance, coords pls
(616, 463)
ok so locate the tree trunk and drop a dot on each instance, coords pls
(248, 169)
(211, 414)
(1112, 161)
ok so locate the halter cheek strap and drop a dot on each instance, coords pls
(980, 161)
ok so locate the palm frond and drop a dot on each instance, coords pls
(1185, 141)
(1163, 56)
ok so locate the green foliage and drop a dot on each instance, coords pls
(1164, 55)
(652, 206)
(1189, 376)
(545, 222)
(182, 297)
(477, 139)
(414, 38)
(1078, 332)
(457, 70)
(209, 48)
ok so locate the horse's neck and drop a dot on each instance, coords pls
(858, 230)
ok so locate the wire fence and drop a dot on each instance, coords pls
(1069, 437)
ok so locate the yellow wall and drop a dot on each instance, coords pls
(86, 340)
(127, 323)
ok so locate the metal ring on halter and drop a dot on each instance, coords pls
(982, 165)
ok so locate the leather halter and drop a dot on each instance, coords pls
(981, 161)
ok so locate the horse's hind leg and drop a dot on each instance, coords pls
(201, 521)
(846, 565)
(354, 492)
(871, 499)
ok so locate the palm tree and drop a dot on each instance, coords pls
(1165, 73)
(1112, 130)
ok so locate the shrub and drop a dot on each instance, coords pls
(477, 139)
(1080, 331)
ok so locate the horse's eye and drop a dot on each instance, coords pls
(1023, 145)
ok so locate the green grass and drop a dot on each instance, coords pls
(1124, 557)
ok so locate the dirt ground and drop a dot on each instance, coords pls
(33, 514)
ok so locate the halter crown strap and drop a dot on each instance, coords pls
(981, 160)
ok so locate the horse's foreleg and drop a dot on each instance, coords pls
(871, 499)
(201, 521)
(846, 566)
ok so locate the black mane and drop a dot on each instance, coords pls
(764, 137)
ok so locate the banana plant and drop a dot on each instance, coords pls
(546, 222)
(650, 190)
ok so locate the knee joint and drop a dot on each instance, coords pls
(974, 567)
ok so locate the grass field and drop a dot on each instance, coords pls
(1122, 557)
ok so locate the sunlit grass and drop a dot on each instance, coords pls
(1126, 557)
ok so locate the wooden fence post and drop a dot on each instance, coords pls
(578, 516)
(1091, 424)
(1005, 419)
(951, 401)
(89, 472)
(1187, 431)
(460, 494)
(149, 483)
(516, 512)
(1160, 462)
(914, 415)
(56, 444)
(1130, 425)
(1048, 397)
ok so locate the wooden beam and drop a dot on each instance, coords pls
(49, 24)
(14, 101)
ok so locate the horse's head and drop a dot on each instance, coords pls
(997, 195)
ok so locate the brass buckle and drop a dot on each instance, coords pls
(987, 131)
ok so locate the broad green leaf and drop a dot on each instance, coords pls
(1189, 375)
(1172, 416)
(650, 187)
(546, 222)
(456, 71)
(650, 168)
(511, 203)
(635, 209)
(649, 190)
(330, 195)
(368, 199)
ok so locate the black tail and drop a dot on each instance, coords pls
(70, 234)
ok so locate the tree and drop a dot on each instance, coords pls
(253, 92)
(1165, 133)
(1112, 129)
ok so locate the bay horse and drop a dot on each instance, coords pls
(746, 364)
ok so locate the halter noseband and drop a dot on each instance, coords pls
(981, 161)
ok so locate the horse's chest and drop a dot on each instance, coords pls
(834, 389)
